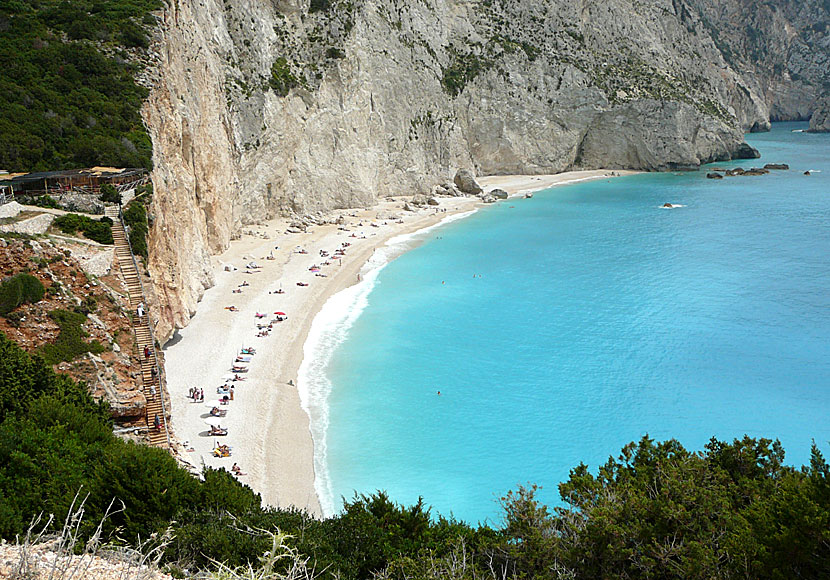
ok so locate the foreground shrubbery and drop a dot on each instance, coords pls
(733, 510)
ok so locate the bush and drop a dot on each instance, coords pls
(99, 231)
(319, 5)
(135, 217)
(282, 78)
(46, 201)
(69, 344)
(19, 289)
(109, 194)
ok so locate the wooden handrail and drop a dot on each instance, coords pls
(149, 327)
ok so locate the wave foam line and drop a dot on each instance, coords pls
(329, 329)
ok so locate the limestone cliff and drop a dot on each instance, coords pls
(261, 108)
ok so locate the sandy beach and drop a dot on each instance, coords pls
(268, 430)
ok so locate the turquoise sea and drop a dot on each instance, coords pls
(560, 328)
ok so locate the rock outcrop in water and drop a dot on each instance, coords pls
(820, 120)
(265, 108)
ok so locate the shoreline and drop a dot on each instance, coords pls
(269, 424)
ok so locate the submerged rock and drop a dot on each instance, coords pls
(713, 175)
(776, 166)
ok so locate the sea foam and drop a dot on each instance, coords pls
(328, 330)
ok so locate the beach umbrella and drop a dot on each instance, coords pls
(213, 421)
(280, 313)
(214, 403)
(228, 377)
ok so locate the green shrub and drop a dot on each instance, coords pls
(68, 223)
(15, 318)
(99, 231)
(109, 194)
(70, 342)
(46, 201)
(335, 53)
(319, 5)
(282, 78)
(462, 70)
(19, 289)
(135, 217)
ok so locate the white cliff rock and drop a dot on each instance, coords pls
(261, 108)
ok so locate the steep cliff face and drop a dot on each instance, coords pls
(780, 47)
(289, 106)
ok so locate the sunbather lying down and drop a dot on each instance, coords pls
(232, 308)
(222, 451)
(237, 470)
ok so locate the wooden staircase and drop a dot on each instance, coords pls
(150, 369)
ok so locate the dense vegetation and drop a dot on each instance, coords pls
(733, 510)
(135, 217)
(97, 230)
(67, 93)
(19, 289)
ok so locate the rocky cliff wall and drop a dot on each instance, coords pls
(781, 48)
(262, 108)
